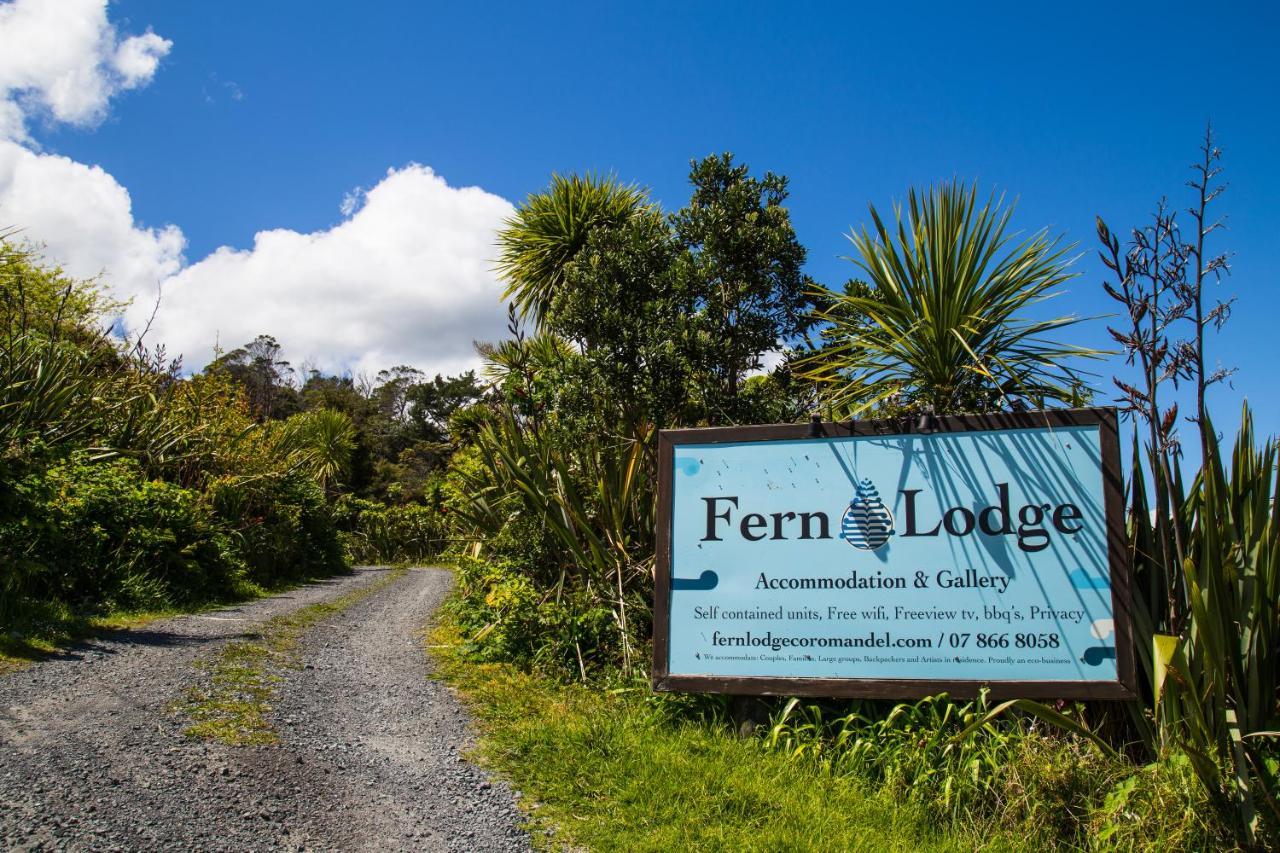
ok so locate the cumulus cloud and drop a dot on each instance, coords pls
(405, 279)
(138, 57)
(84, 219)
(64, 60)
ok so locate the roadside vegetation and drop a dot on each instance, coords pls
(623, 769)
(620, 768)
(640, 319)
(128, 485)
(129, 489)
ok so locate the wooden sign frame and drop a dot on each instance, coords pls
(1125, 685)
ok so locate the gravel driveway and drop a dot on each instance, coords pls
(369, 755)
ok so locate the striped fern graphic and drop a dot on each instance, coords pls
(867, 523)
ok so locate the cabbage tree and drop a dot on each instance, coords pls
(951, 317)
(544, 235)
(321, 442)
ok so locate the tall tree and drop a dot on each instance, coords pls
(670, 314)
(259, 366)
(622, 306)
(391, 394)
(430, 404)
(741, 274)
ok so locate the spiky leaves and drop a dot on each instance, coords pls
(322, 442)
(949, 323)
(551, 227)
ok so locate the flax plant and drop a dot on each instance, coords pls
(1215, 683)
(1205, 549)
(594, 495)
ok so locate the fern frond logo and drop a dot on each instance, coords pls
(867, 523)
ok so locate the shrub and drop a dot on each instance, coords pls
(505, 617)
(284, 527)
(585, 502)
(100, 536)
(375, 533)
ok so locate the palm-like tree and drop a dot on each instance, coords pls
(522, 357)
(944, 323)
(322, 442)
(549, 229)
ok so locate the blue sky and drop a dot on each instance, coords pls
(264, 116)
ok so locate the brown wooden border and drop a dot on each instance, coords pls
(1125, 685)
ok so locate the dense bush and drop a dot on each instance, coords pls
(572, 515)
(505, 616)
(283, 525)
(101, 535)
(124, 485)
(375, 533)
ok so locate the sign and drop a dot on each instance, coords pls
(868, 559)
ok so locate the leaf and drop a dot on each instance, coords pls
(1044, 712)
(948, 322)
(1163, 648)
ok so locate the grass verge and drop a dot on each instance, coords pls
(45, 628)
(232, 699)
(618, 771)
(21, 648)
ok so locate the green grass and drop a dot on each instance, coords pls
(615, 771)
(39, 629)
(625, 769)
(52, 628)
(231, 702)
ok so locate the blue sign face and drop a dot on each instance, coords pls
(958, 556)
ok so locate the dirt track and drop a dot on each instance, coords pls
(369, 755)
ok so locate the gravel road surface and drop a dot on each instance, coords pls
(370, 752)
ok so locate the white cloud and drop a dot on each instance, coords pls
(62, 59)
(770, 359)
(352, 201)
(138, 57)
(84, 219)
(405, 279)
